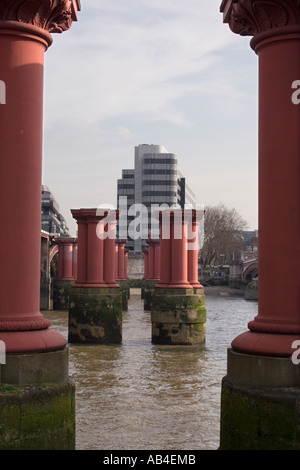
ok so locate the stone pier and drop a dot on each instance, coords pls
(261, 391)
(67, 272)
(178, 312)
(37, 397)
(95, 311)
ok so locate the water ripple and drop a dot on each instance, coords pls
(153, 397)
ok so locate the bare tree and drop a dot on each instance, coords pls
(222, 240)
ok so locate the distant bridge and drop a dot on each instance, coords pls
(250, 270)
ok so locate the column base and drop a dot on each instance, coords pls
(178, 316)
(260, 403)
(37, 417)
(61, 292)
(95, 315)
(37, 402)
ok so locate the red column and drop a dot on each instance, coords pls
(96, 252)
(153, 259)
(276, 41)
(74, 259)
(60, 267)
(116, 261)
(193, 250)
(179, 252)
(81, 250)
(109, 256)
(65, 258)
(24, 38)
(126, 263)
(165, 252)
(121, 258)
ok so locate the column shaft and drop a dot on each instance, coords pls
(82, 252)
(109, 258)
(179, 255)
(21, 122)
(95, 256)
(165, 254)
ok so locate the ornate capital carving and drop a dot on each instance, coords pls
(55, 16)
(250, 17)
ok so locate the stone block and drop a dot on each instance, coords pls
(260, 404)
(61, 293)
(178, 316)
(95, 315)
(37, 417)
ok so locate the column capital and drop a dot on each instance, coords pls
(54, 16)
(92, 215)
(67, 240)
(250, 17)
(121, 241)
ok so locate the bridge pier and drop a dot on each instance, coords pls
(178, 313)
(95, 311)
(261, 391)
(36, 395)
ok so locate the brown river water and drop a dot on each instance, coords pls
(140, 396)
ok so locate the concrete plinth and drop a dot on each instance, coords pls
(178, 316)
(37, 417)
(61, 293)
(95, 315)
(260, 404)
(37, 401)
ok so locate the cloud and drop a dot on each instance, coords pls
(163, 72)
(125, 58)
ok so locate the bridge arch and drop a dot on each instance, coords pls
(250, 271)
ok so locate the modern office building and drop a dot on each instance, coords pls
(155, 180)
(52, 220)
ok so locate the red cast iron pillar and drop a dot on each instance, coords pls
(95, 306)
(178, 312)
(126, 252)
(121, 258)
(193, 250)
(275, 27)
(36, 354)
(66, 258)
(25, 29)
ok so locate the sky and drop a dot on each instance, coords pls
(164, 72)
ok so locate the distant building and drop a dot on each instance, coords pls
(250, 239)
(155, 179)
(52, 221)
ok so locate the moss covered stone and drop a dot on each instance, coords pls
(178, 316)
(95, 315)
(259, 418)
(149, 287)
(37, 417)
(61, 293)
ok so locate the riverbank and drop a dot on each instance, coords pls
(208, 290)
(223, 291)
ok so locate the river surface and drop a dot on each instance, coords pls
(140, 396)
